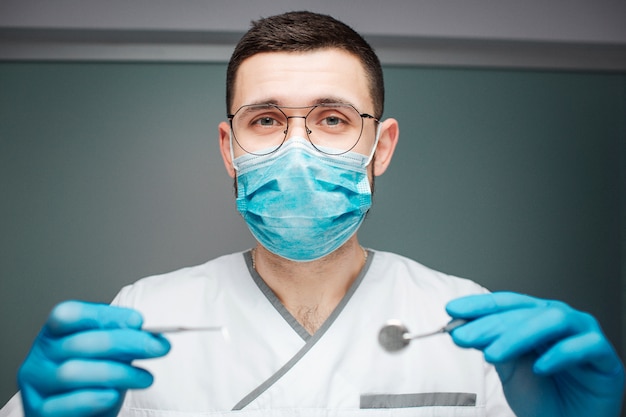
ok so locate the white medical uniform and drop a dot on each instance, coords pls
(266, 364)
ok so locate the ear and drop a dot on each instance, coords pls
(389, 133)
(224, 132)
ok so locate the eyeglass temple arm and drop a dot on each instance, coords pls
(369, 116)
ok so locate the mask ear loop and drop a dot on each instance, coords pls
(232, 153)
(369, 158)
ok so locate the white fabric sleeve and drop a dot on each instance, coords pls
(13, 408)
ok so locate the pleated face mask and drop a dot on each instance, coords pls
(302, 204)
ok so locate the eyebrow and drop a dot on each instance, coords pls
(249, 110)
(327, 100)
(321, 100)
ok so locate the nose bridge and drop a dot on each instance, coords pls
(298, 128)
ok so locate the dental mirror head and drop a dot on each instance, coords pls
(392, 336)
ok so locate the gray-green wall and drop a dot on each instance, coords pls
(110, 172)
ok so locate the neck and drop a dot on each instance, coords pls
(310, 291)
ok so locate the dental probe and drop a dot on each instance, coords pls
(394, 336)
(180, 329)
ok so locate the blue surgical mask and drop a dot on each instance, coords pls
(302, 204)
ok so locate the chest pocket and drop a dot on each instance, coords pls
(429, 399)
(439, 404)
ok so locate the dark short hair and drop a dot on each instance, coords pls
(301, 32)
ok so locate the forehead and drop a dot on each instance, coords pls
(302, 78)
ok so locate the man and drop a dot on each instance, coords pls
(299, 314)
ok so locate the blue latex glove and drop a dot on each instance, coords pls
(80, 363)
(552, 360)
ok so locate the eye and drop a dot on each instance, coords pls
(265, 118)
(335, 117)
(265, 121)
(332, 121)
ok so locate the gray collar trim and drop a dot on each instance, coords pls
(310, 340)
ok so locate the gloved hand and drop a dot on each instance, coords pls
(80, 363)
(552, 360)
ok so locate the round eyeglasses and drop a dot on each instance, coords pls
(332, 128)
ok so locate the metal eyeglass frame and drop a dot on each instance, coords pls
(230, 117)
